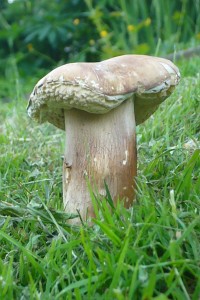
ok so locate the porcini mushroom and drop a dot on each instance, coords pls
(99, 105)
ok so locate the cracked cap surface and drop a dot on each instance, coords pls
(100, 87)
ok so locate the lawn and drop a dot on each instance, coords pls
(151, 251)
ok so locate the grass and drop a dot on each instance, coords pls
(143, 28)
(151, 251)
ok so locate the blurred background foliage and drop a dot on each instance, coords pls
(41, 34)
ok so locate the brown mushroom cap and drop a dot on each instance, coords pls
(99, 87)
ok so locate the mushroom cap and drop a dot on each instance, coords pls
(100, 87)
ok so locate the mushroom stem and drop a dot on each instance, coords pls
(99, 148)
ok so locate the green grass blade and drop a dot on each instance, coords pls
(77, 285)
(109, 232)
(33, 258)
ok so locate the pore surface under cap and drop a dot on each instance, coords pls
(100, 87)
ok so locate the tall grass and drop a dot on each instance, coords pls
(92, 30)
(145, 27)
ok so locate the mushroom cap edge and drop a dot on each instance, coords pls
(102, 86)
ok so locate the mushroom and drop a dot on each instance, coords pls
(99, 105)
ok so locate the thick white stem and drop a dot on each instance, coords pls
(100, 148)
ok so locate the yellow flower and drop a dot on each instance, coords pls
(198, 36)
(103, 33)
(177, 16)
(147, 22)
(92, 42)
(30, 47)
(76, 22)
(131, 28)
